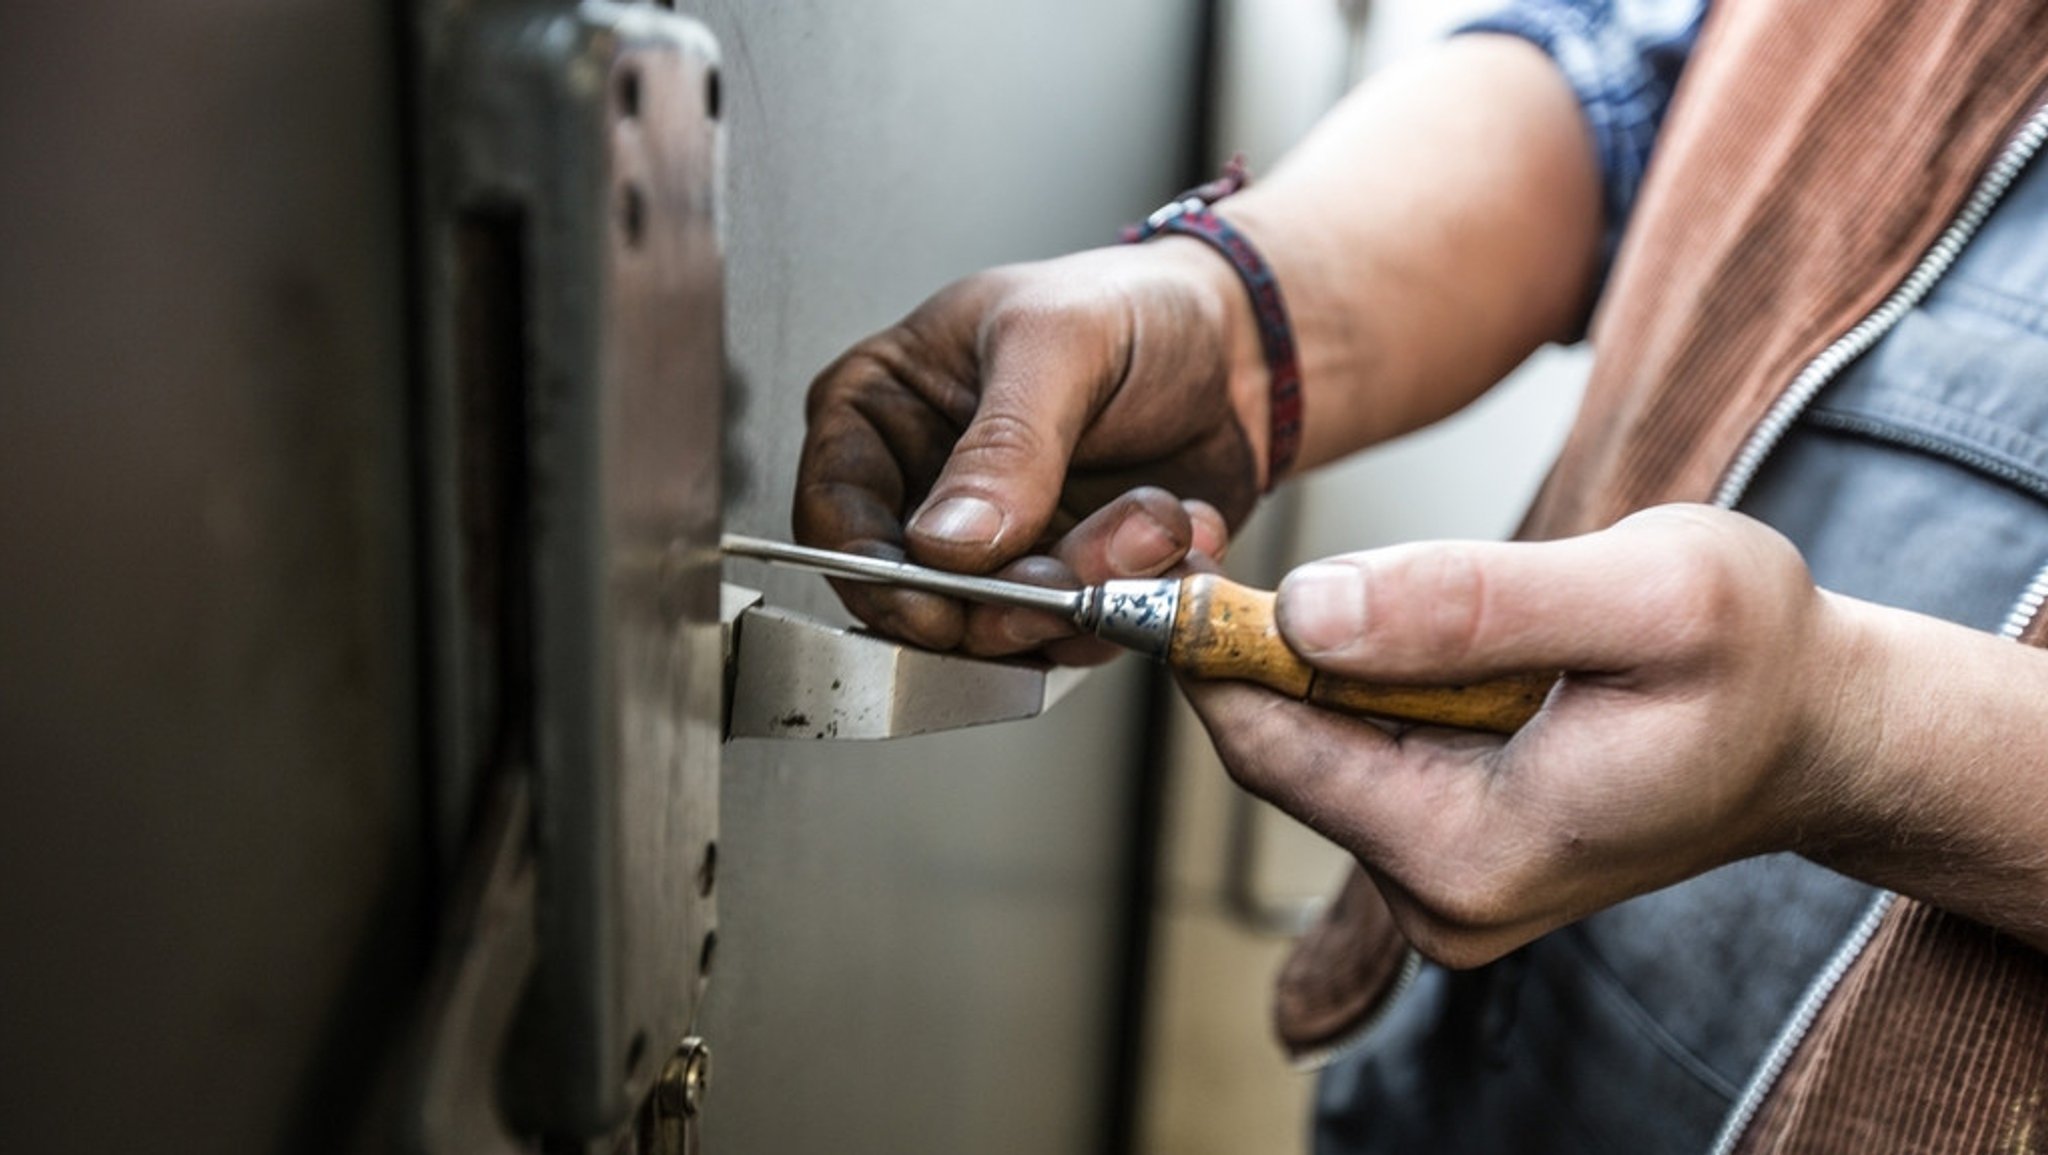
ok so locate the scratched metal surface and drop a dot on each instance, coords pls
(916, 937)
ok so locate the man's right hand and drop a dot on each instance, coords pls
(1434, 229)
(990, 424)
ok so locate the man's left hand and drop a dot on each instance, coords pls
(1706, 708)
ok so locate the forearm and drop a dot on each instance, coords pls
(1944, 796)
(1440, 224)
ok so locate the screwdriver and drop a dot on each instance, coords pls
(1202, 625)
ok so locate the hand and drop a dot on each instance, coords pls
(1704, 716)
(1014, 413)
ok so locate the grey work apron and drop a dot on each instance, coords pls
(1919, 479)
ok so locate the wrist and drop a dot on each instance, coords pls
(1192, 215)
(1937, 793)
(1227, 312)
(1844, 739)
(1883, 805)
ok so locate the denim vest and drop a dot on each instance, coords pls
(1918, 479)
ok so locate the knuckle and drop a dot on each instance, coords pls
(1002, 437)
(1704, 599)
(1442, 593)
(1053, 325)
(1777, 557)
(1021, 315)
(1695, 581)
(819, 513)
(1722, 570)
(857, 374)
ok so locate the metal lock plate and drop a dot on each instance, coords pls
(794, 677)
(572, 416)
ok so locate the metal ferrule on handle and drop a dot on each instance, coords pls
(1136, 614)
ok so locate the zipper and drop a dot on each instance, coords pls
(1776, 422)
(2027, 608)
(1355, 1038)
(1797, 1027)
(1991, 187)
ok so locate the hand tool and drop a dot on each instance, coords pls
(1202, 625)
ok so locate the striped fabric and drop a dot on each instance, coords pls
(1622, 58)
(1814, 153)
(1936, 1042)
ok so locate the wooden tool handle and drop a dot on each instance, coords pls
(1225, 630)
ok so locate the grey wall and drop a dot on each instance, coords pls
(917, 939)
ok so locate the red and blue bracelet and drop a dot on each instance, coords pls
(1189, 214)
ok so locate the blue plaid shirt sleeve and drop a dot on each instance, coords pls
(1622, 58)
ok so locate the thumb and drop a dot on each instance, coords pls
(1651, 588)
(1041, 384)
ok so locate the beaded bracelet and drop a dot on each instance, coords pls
(1189, 214)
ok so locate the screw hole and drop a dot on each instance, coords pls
(707, 871)
(635, 1052)
(629, 93)
(712, 93)
(705, 953)
(633, 213)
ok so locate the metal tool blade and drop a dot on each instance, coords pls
(1074, 605)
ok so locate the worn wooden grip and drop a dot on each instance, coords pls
(1501, 706)
(1225, 630)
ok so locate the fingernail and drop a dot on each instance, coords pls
(1322, 608)
(1141, 545)
(966, 520)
